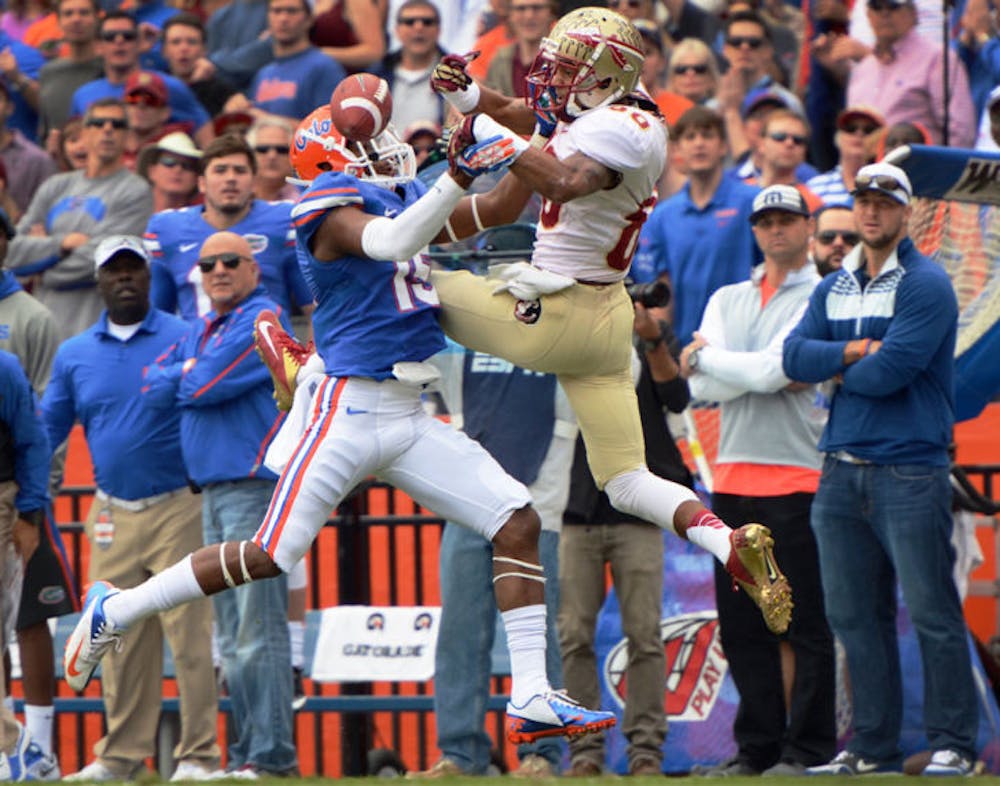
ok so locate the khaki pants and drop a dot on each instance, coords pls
(143, 544)
(8, 724)
(583, 335)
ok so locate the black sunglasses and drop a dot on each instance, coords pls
(853, 128)
(117, 123)
(184, 163)
(619, 3)
(737, 41)
(697, 68)
(884, 5)
(781, 136)
(265, 149)
(827, 236)
(230, 259)
(884, 182)
(124, 35)
(426, 21)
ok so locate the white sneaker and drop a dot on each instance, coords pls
(28, 762)
(193, 771)
(949, 763)
(93, 635)
(4, 768)
(95, 772)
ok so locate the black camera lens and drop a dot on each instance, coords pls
(655, 294)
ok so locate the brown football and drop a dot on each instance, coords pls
(360, 107)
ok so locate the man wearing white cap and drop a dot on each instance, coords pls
(144, 516)
(768, 470)
(171, 167)
(884, 328)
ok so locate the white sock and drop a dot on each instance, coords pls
(166, 590)
(38, 719)
(711, 533)
(297, 636)
(648, 497)
(525, 627)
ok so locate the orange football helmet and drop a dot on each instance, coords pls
(319, 147)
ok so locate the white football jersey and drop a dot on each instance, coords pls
(594, 237)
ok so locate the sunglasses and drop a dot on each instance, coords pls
(184, 163)
(533, 7)
(426, 21)
(751, 41)
(620, 3)
(782, 136)
(884, 5)
(864, 128)
(117, 123)
(696, 68)
(827, 236)
(125, 35)
(143, 99)
(230, 259)
(263, 150)
(883, 182)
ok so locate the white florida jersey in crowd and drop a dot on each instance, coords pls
(594, 237)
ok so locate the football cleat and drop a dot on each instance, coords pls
(553, 714)
(93, 635)
(753, 567)
(29, 762)
(282, 355)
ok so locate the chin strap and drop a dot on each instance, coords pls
(518, 574)
(226, 575)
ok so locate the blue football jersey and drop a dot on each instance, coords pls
(174, 237)
(369, 314)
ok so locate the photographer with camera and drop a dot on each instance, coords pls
(594, 535)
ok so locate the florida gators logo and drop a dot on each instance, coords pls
(696, 666)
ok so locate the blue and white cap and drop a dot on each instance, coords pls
(113, 245)
(787, 199)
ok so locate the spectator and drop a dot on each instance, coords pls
(700, 238)
(23, 499)
(74, 212)
(216, 380)
(19, 65)
(70, 151)
(408, 69)
(228, 168)
(59, 79)
(143, 515)
(119, 47)
(151, 16)
(902, 77)
(26, 164)
(271, 140)
(597, 537)
(693, 73)
(783, 151)
(7, 203)
(855, 127)
(530, 22)
(171, 167)
(422, 136)
(835, 234)
(19, 16)
(979, 48)
(237, 41)
(148, 111)
(493, 400)
(183, 48)
(887, 463)
(755, 110)
(491, 39)
(459, 22)
(671, 105)
(768, 470)
(350, 32)
(300, 77)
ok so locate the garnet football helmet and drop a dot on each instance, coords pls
(319, 147)
(592, 57)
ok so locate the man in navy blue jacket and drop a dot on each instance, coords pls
(884, 327)
(228, 418)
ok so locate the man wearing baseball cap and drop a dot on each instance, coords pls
(884, 328)
(856, 125)
(768, 470)
(144, 515)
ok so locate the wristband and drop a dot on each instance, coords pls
(465, 101)
(35, 517)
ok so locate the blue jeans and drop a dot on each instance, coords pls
(252, 630)
(875, 524)
(465, 641)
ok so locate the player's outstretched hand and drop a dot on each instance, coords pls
(450, 76)
(476, 157)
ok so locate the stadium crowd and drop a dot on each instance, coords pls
(174, 121)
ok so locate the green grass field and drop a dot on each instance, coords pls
(881, 780)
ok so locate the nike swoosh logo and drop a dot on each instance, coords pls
(185, 247)
(353, 411)
(71, 668)
(265, 332)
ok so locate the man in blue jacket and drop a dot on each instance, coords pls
(884, 327)
(228, 418)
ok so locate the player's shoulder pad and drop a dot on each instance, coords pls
(328, 191)
(621, 136)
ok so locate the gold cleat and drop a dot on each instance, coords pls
(753, 567)
(282, 355)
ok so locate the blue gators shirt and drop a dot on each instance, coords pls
(174, 237)
(369, 314)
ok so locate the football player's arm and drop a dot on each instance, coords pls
(501, 205)
(562, 181)
(512, 112)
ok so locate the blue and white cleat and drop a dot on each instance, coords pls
(91, 637)
(29, 762)
(553, 714)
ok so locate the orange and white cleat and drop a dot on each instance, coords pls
(282, 355)
(753, 567)
(553, 714)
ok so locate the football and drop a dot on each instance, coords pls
(360, 107)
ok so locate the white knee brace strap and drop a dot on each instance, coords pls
(226, 575)
(519, 574)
